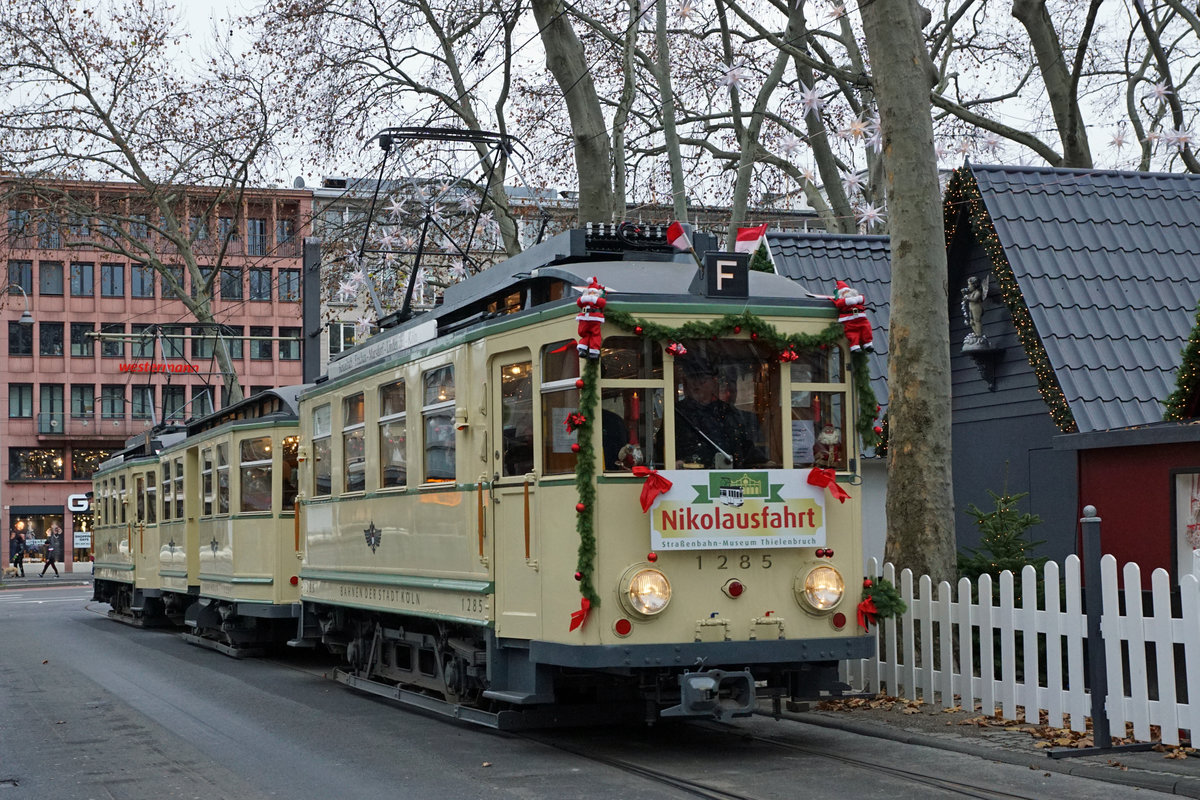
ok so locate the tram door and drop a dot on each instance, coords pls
(514, 495)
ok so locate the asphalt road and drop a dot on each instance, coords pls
(95, 709)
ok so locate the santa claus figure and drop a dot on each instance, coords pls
(852, 314)
(590, 317)
(828, 452)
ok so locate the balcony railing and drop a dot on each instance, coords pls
(95, 424)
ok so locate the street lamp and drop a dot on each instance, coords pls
(26, 317)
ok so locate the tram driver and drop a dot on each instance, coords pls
(710, 433)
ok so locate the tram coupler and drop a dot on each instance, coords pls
(715, 693)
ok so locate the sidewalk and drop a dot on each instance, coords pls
(1169, 770)
(34, 578)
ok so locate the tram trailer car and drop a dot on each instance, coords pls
(210, 513)
(471, 497)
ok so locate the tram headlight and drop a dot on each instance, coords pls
(822, 588)
(645, 591)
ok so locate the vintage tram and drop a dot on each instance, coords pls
(526, 500)
(596, 481)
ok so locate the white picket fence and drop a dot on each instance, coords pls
(1049, 672)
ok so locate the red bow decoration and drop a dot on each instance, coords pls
(868, 614)
(789, 355)
(676, 349)
(574, 420)
(654, 486)
(570, 343)
(827, 479)
(579, 617)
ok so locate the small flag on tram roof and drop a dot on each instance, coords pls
(677, 237)
(748, 239)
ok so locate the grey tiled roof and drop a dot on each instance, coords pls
(1108, 264)
(819, 260)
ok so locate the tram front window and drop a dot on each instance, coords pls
(727, 413)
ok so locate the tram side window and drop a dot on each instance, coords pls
(322, 470)
(291, 471)
(151, 499)
(516, 398)
(354, 455)
(206, 480)
(166, 491)
(223, 478)
(819, 410)
(393, 442)
(139, 492)
(121, 499)
(727, 406)
(256, 474)
(560, 370)
(632, 411)
(437, 412)
(178, 489)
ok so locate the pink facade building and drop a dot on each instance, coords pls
(107, 349)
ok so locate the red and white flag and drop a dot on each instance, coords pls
(677, 237)
(748, 239)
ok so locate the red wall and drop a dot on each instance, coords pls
(1131, 488)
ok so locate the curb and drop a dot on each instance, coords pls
(1169, 783)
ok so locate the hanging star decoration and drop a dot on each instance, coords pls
(1160, 91)
(362, 327)
(789, 144)
(940, 151)
(964, 146)
(733, 78)
(991, 143)
(837, 12)
(395, 209)
(869, 216)
(875, 141)
(1179, 138)
(1119, 140)
(811, 99)
(809, 174)
(686, 10)
(852, 182)
(857, 129)
(348, 288)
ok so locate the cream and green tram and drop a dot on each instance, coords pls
(228, 546)
(126, 536)
(492, 520)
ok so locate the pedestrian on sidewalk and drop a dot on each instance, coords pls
(51, 542)
(18, 553)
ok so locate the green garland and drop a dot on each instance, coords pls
(1184, 402)
(885, 596)
(766, 333)
(962, 195)
(585, 484)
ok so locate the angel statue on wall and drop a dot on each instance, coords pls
(972, 308)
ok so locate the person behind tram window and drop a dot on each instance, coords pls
(709, 432)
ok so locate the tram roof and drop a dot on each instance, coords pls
(281, 403)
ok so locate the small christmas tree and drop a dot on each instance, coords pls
(1004, 544)
(761, 260)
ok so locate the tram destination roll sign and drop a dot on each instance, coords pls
(729, 509)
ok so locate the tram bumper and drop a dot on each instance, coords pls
(714, 693)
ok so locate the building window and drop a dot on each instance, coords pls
(231, 284)
(79, 226)
(20, 339)
(83, 276)
(114, 347)
(172, 341)
(341, 337)
(18, 223)
(174, 399)
(201, 401)
(322, 469)
(175, 271)
(112, 280)
(142, 406)
(285, 231)
(50, 278)
(233, 339)
(261, 346)
(85, 462)
(260, 284)
(48, 233)
(141, 280)
(83, 401)
(438, 416)
(50, 338)
(289, 286)
(138, 228)
(227, 230)
(289, 344)
(112, 402)
(81, 342)
(256, 237)
(20, 400)
(393, 439)
(255, 477)
(35, 464)
(202, 348)
(142, 340)
(198, 228)
(354, 455)
(50, 409)
(21, 273)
